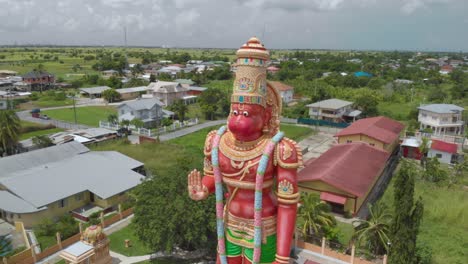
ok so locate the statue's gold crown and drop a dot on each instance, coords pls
(250, 85)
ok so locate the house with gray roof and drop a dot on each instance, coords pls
(168, 92)
(333, 110)
(94, 92)
(54, 181)
(442, 119)
(150, 111)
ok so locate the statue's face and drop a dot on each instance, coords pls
(246, 121)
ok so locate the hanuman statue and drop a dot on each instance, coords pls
(256, 216)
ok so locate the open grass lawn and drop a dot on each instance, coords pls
(296, 132)
(117, 243)
(156, 157)
(89, 115)
(40, 133)
(445, 223)
(346, 232)
(46, 241)
(398, 111)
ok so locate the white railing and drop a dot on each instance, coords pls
(155, 131)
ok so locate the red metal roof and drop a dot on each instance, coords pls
(281, 86)
(381, 128)
(444, 146)
(349, 167)
(330, 197)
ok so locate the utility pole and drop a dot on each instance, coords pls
(74, 107)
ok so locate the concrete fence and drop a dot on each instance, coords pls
(323, 250)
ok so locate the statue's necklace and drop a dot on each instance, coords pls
(242, 151)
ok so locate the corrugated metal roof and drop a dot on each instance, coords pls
(142, 104)
(14, 204)
(381, 128)
(38, 157)
(105, 173)
(331, 104)
(133, 89)
(351, 167)
(95, 90)
(442, 108)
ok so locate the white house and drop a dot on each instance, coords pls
(167, 92)
(148, 110)
(446, 152)
(286, 91)
(441, 118)
(334, 110)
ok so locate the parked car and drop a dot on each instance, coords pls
(45, 117)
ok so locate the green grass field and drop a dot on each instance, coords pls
(46, 241)
(445, 222)
(117, 243)
(40, 133)
(90, 115)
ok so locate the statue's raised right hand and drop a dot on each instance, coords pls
(197, 191)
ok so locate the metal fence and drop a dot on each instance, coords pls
(155, 131)
(315, 122)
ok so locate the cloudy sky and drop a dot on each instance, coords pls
(312, 24)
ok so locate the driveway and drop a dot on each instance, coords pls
(317, 144)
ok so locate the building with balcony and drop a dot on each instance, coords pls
(333, 110)
(442, 119)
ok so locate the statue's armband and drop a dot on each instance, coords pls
(207, 166)
(288, 155)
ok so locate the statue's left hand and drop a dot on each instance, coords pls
(197, 191)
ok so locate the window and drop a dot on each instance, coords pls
(439, 156)
(18, 216)
(131, 112)
(62, 203)
(79, 196)
(349, 141)
(423, 115)
(122, 112)
(372, 144)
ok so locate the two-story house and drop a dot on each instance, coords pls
(443, 119)
(167, 92)
(330, 110)
(38, 80)
(150, 111)
(286, 91)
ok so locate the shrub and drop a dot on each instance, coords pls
(45, 228)
(95, 218)
(67, 226)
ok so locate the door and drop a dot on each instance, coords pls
(91, 197)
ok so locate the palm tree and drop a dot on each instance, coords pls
(5, 246)
(374, 232)
(138, 123)
(113, 118)
(180, 108)
(314, 216)
(10, 127)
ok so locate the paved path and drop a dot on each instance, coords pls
(26, 116)
(189, 130)
(121, 259)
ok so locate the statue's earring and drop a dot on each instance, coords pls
(265, 130)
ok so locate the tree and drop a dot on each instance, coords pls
(5, 245)
(424, 149)
(374, 232)
(433, 172)
(314, 217)
(111, 95)
(113, 119)
(9, 132)
(367, 101)
(406, 218)
(125, 123)
(210, 101)
(165, 216)
(42, 141)
(114, 82)
(180, 108)
(138, 123)
(460, 169)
